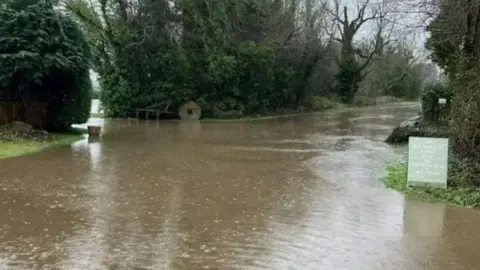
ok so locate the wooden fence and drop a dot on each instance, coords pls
(17, 111)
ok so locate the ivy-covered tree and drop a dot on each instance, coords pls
(455, 45)
(445, 39)
(44, 56)
(354, 60)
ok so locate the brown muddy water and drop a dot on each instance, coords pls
(290, 193)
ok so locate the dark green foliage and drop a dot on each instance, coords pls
(348, 79)
(430, 107)
(230, 55)
(455, 45)
(253, 56)
(45, 57)
(115, 96)
(445, 40)
(257, 77)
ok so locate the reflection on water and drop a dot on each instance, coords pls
(423, 219)
(289, 193)
(87, 247)
(190, 129)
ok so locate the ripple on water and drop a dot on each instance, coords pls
(263, 205)
(307, 142)
(273, 149)
(372, 116)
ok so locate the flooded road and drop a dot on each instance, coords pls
(290, 193)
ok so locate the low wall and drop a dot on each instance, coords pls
(16, 111)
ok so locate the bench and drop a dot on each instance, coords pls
(153, 109)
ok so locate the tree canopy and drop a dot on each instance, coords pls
(44, 56)
(252, 56)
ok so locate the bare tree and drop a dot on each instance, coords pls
(350, 20)
(368, 13)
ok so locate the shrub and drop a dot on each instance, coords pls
(430, 96)
(45, 57)
(319, 103)
(463, 171)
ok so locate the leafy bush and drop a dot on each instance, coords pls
(115, 96)
(45, 57)
(430, 96)
(231, 56)
(347, 80)
(253, 56)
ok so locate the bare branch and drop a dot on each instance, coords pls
(336, 13)
(359, 20)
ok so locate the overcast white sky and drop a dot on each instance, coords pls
(409, 23)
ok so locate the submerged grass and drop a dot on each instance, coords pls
(396, 179)
(25, 146)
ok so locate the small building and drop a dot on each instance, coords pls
(14, 107)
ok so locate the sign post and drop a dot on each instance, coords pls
(442, 101)
(427, 162)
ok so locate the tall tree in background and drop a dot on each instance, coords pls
(253, 56)
(354, 60)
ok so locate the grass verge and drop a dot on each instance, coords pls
(321, 106)
(24, 146)
(249, 118)
(97, 115)
(396, 179)
(318, 105)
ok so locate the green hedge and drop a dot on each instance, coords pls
(45, 55)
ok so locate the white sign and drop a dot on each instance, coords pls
(442, 101)
(427, 162)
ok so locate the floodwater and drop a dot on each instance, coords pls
(290, 193)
